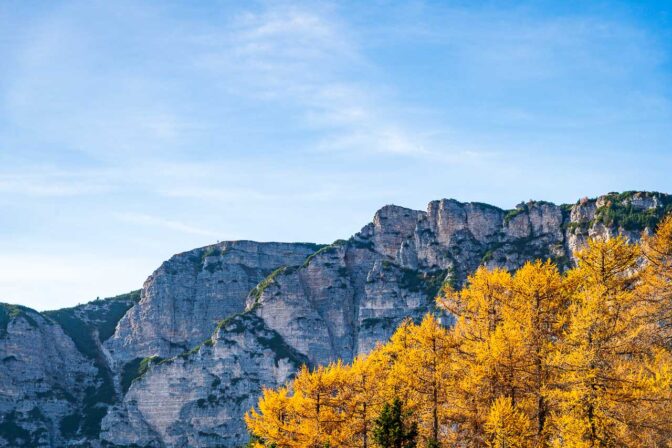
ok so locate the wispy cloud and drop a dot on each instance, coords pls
(309, 58)
(156, 221)
(52, 184)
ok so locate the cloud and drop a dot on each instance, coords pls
(145, 123)
(305, 61)
(53, 184)
(156, 221)
(310, 59)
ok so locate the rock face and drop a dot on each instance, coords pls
(44, 380)
(198, 398)
(185, 298)
(180, 378)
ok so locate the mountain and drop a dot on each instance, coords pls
(179, 362)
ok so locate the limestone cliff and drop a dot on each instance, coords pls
(44, 381)
(185, 298)
(199, 397)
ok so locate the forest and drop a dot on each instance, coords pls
(532, 358)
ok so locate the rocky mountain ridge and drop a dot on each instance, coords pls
(179, 363)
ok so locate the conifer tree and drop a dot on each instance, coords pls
(507, 426)
(363, 397)
(318, 406)
(656, 288)
(536, 313)
(272, 425)
(394, 428)
(422, 374)
(477, 372)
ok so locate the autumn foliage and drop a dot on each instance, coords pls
(536, 358)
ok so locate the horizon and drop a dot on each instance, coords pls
(133, 131)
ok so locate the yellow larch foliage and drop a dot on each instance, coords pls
(656, 287)
(318, 406)
(274, 421)
(482, 360)
(421, 375)
(602, 354)
(507, 426)
(363, 397)
(536, 314)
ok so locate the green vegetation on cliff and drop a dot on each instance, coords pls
(10, 312)
(133, 370)
(621, 210)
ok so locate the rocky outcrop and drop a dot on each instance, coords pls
(44, 382)
(185, 298)
(352, 294)
(198, 398)
(264, 309)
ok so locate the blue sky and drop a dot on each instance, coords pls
(131, 130)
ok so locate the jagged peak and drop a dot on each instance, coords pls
(394, 211)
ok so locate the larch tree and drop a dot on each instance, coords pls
(537, 311)
(656, 287)
(318, 403)
(476, 380)
(364, 396)
(273, 424)
(507, 426)
(422, 375)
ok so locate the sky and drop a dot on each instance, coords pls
(134, 130)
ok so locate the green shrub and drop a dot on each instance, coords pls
(428, 283)
(510, 214)
(269, 280)
(135, 369)
(10, 312)
(324, 250)
(618, 213)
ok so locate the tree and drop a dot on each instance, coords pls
(507, 426)
(364, 396)
(656, 288)
(422, 373)
(273, 424)
(318, 404)
(393, 428)
(478, 374)
(537, 314)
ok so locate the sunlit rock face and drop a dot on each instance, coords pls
(214, 325)
(185, 298)
(198, 398)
